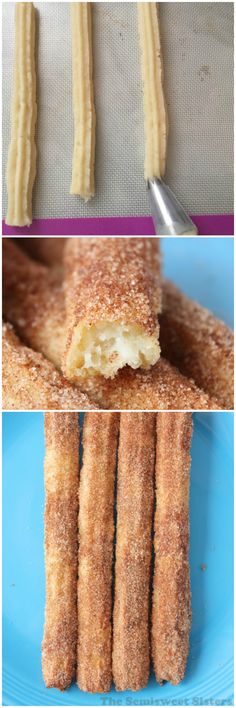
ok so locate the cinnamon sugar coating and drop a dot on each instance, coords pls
(200, 345)
(61, 475)
(163, 387)
(135, 495)
(33, 302)
(171, 611)
(96, 532)
(29, 381)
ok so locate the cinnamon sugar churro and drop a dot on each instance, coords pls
(29, 381)
(131, 651)
(171, 612)
(199, 344)
(113, 297)
(61, 472)
(96, 531)
(33, 302)
(163, 387)
(45, 250)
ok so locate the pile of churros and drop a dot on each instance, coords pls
(112, 512)
(90, 323)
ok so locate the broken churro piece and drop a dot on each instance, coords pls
(61, 473)
(199, 344)
(171, 610)
(113, 297)
(21, 165)
(135, 496)
(31, 382)
(96, 531)
(155, 119)
(83, 101)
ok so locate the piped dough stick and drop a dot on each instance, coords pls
(155, 118)
(31, 382)
(33, 302)
(199, 344)
(21, 165)
(61, 475)
(96, 531)
(113, 297)
(135, 496)
(83, 101)
(171, 609)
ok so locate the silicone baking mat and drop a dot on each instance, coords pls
(197, 41)
(209, 675)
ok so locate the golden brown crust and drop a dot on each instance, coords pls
(33, 302)
(161, 388)
(171, 610)
(96, 531)
(30, 382)
(111, 280)
(200, 345)
(61, 474)
(131, 651)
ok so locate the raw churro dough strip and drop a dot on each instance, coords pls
(33, 302)
(113, 297)
(155, 118)
(83, 101)
(31, 382)
(171, 608)
(135, 495)
(199, 344)
(21, 165)
(61, 476)
(96, 531)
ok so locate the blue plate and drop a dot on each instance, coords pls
(210, 667)
(204, 269)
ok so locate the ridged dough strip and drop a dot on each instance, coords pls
(21, 165)
(31, 382)
(135, 497)
(113, 296)
(61, 475)
(83, 101)
(96, 531)
(171, 608)
(155, 118)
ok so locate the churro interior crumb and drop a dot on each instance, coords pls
(105, 347)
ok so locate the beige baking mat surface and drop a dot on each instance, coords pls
(197, 42)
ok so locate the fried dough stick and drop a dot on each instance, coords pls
(33, 302)
(171, 609)
(83, 101)
(31, 382)
(155, 119)
(113, 297)
(45, 250)
(21, 165)
(199, 344)
(135, 496)
(61, 473)
(96, 531)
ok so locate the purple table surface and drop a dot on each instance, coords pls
(208, 225)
